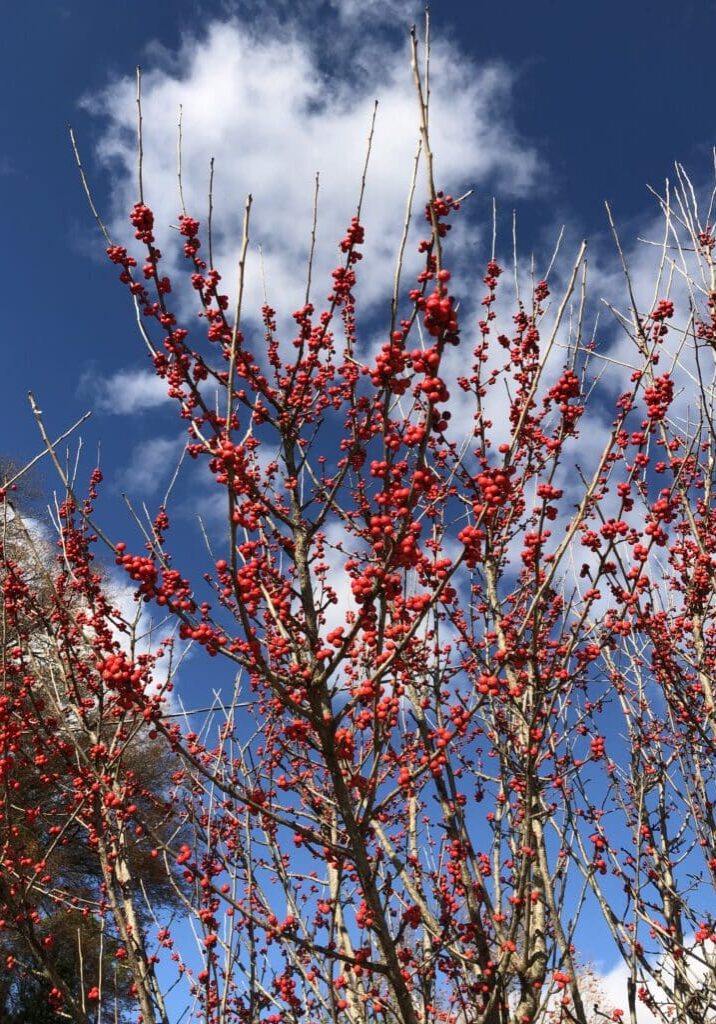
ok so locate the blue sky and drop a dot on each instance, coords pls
(552, 107)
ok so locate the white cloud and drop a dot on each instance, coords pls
(358, 10)
(38, 532)
(264, 108)
(614, 987)
(124, 393)
(697, 972)
(152, 465)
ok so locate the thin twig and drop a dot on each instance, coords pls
(312, 249)
(140, 140)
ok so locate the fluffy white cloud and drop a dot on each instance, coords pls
(697, 971)
(265, 107)
(613, 986)
(124, 393)
(151, 466)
